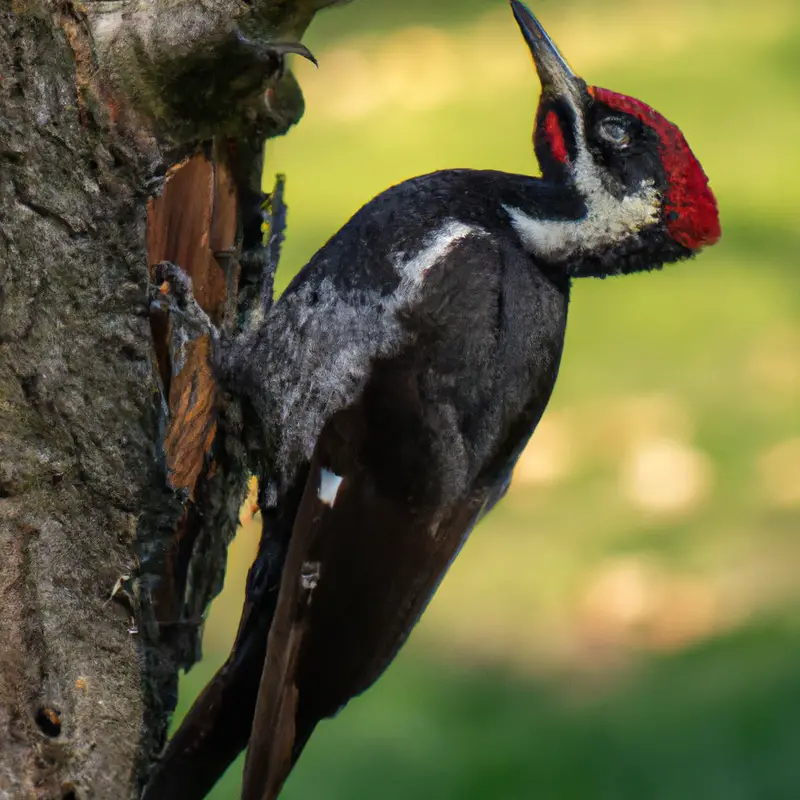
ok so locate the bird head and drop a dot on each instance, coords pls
(633, 168)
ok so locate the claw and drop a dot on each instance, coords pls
(172, 292)
(172, 280)
(284, 48)
(276, 50)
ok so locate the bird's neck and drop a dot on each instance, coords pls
(585, 230)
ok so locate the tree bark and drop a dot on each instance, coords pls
(121, 473)
(83, 695)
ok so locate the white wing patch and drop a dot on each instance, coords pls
(437, 246)
(329, 483)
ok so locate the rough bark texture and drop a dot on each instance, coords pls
(81, 694)
(121, 468)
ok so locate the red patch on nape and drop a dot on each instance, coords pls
(691, 214)
(550, 131)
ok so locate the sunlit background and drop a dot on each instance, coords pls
(625, 625)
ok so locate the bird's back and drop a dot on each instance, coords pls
(423, 263)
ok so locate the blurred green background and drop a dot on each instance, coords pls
(625, 624)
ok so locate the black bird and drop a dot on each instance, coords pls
(393, 386)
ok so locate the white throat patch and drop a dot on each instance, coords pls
(607, 220)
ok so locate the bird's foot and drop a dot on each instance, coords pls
(272, 54)
(172, 294)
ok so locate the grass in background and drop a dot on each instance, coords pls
(717, 721)
(620, 621)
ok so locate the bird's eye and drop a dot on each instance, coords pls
(615, 132)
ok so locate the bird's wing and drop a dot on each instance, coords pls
(370, 544)
(397, 481)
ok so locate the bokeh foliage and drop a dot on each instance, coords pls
(621, 627)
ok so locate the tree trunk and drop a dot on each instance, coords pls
(120, 471)
(83, 695)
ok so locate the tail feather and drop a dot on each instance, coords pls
(273, 748)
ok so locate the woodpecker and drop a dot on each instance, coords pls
(392, 387)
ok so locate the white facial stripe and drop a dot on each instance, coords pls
(329, 483)
(608, 219)
(436, 248)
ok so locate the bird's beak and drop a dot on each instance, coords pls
(555, 74)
